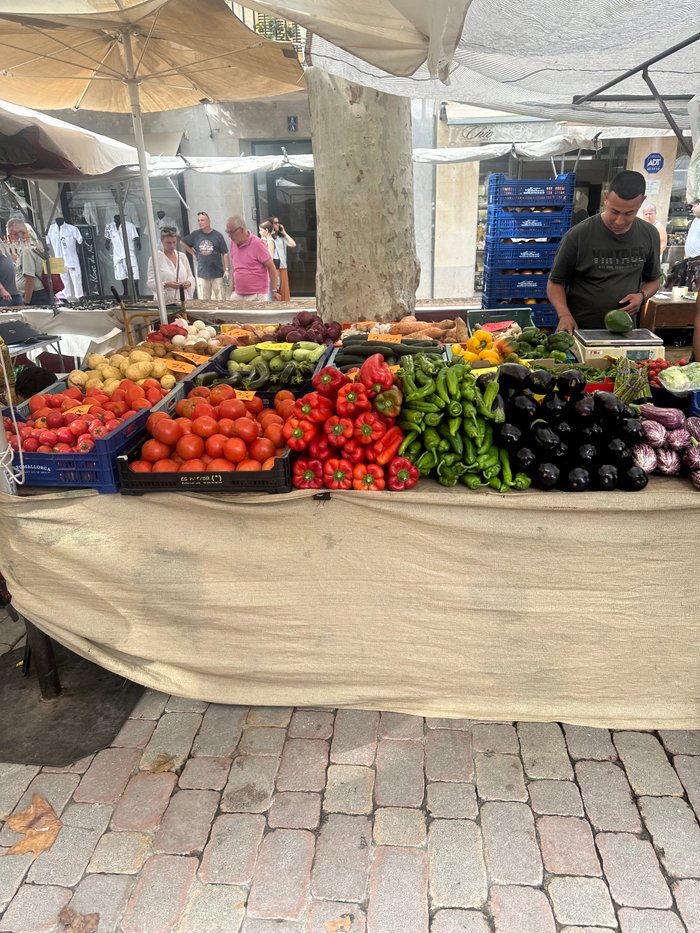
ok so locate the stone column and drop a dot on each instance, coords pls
(658, 183)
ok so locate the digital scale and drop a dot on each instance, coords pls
(638, 344)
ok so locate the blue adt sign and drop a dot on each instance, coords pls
(653, 163)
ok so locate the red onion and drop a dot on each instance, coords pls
(691, 457)
(678, 439)
(669, 417)
(693, 425)
(668, 462)
(654, 433)
(644, 457)
(695, 476)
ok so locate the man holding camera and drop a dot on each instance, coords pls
(282, 240)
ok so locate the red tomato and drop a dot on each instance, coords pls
(97, 429)
(246, 429)
(190, 446)
(140, 404)
(235, 450)
(153, 396)
(63, 448)
(36, 402)
(199, 392)
(165, 466)
(167, 431)
(204, 426)
(269, 463)
(204, 410)
(79, 427)
(54, 419)
(285, 408)
(274, 432)
(226, 427)
(177, 459)
(69, 418)
(185, 424)
(13, 441)
(269, 417)
(220, 393)
(65, 435)
(135, 392)
(42, 449)
(30, 444)
(254, 405)
(73, 392)
(152, 419)
(218, 465)
(117, 408)
(126, 384)
(150, 384)
(232, 408)
(214, 445)
(192, 466)
(154, 450)
(85, 443)
(247, 465)
(49, 437)
(283, 395)
(42, 412)
(261, 449)
(119, 395)
(141, 466)
(55, 401)
(185, 408)
(206, 459)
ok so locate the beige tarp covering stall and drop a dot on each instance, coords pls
(440, 602)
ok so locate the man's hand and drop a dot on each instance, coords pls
(276, 296)
(631, 303)
(566, 323)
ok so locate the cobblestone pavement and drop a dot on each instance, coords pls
(203, 818)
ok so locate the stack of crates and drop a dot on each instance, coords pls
(526, 220)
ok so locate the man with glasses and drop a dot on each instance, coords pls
(253, 270)
(209, 249)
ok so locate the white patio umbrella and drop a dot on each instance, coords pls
(136, 55)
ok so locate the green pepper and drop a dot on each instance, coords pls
(413, 416)
(470, 481)
(410, 425)
(469, 450)
(488, 461)
(505, 467)
(414, 451)
(426, 462)
(454, 409)
(494, 482)
(480, 431)
(470, 426)
(409, 385)
(559, 356)
(433, 419)
(441, 385)
(422, 378)
(453, 381)
(522, 481)
(487, 439)
(407, 441)
(423, 392)
(444, 445)
(453, 425)
(447, 460)
(491, 472)
(431, 439)
(469, 389)
(420, 405)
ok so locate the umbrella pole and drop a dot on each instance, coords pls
(127, 244)
(133, 86)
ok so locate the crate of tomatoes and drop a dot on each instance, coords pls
(211, 440)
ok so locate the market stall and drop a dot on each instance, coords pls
(438, 603)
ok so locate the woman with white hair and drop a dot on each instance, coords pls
(29, 264)
(649, 214)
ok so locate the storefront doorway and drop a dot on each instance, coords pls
(290, 195)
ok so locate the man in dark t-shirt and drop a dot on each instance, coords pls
(211, 252)
(610, 261)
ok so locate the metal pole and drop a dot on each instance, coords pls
(44, 660)
(125, 241)
(42, 235)
(133, 86)
(667, 113)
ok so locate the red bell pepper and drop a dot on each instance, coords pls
(370, 452)
(368, 476)
(388, 404)
(375, 375)
(320, 449)
(299, 432)
(354, 451)
(316, 408)
(352, 400)
(337, 474)
(369, 427)
(402, 474)
(308, 474)
(329, 381)
(388, 446)
(338, 430)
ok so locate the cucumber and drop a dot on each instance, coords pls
(243, 354)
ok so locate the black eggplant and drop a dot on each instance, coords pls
(577, 480)
(586, 455)
(555, 407)
(525, 459)
(544, 436)
(606, 476)
(483, 380)
(608, 405)
(523, 408)
(571, 382)
(564, 429)
(633, 479)
(631, 430)
(591, 433)
(629, 412)
(508, 436)
(584, 407)
(619, 451)
(542, 381)
(513, 375)
(547, 475)
(559, 454)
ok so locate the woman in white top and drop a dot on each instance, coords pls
(174, 269)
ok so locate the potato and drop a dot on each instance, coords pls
(159, 369)
(94, 381)
(140, 370)
(77, 378)
(108, 372)
(159, 351)
(94, 360)
(167, 381)
(124, 366)
(138, 356)
(110, 385)
(116, 360)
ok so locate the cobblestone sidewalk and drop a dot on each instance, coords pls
(203, 818)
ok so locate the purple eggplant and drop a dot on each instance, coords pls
(691, 457)
(669, 462)
(670, 418)
(695, 477)
(678, 439)
(644, 457)
(692, 425)
(654, 433)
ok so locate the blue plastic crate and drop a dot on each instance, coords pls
(545, 317)
(531, 192)
(694, 410)
(519, 256)
(520, 287)
(501, 223)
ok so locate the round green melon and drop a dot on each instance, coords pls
(619, 322)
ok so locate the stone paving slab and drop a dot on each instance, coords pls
(202, 818)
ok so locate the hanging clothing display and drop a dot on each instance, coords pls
(113, 233)
(64, 240)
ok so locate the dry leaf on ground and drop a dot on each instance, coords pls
(39, 824)
(341, 924)
(162, 762)
(79, 923)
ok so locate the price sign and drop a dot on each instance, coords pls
(179, 366)
(79, 409)
(385, 338)
(194, 358)
(278, 347)
(245, 395)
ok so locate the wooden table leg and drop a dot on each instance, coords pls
(43, 657)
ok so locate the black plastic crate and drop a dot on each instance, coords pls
(276, 480)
